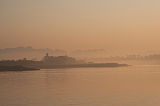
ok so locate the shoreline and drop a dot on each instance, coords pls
(93, 65)
(32, 68)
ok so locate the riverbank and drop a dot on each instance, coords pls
(84, 65)
(17, 68)
(28, 68)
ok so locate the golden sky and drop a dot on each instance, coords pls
(130, 25)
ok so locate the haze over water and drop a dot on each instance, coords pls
(90, 31)
(127, 86)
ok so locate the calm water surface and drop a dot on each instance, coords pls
(127, 86)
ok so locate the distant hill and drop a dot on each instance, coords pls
(89, 53)
(28, 52)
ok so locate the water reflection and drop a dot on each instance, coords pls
(137, 85)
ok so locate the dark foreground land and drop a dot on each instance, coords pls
(51, 62)
(16, 68)
(83, 65)
(27, 68)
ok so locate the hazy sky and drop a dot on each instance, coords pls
(115, 25)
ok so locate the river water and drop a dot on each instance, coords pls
(124, 86)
